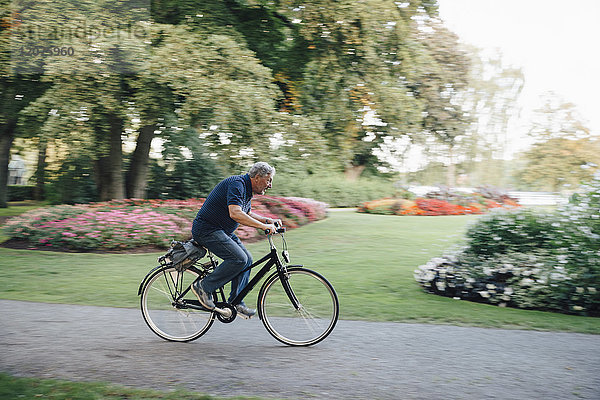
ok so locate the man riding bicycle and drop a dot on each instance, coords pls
(227, 206)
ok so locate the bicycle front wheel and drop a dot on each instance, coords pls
(166, 313)
(313, 319)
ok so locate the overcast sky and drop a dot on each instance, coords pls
(554, 42)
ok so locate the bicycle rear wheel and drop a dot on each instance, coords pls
(316, 315)
(168, 317)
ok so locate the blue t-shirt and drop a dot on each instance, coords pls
(214, 213)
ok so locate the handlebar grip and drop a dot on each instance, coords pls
(279, 230)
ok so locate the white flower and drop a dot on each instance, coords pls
(577, 308)
(508, 291)
(591, 289)
(484, 294)
(490, 286)
(579, 290)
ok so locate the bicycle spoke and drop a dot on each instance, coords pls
(312, 321)
(167, 295)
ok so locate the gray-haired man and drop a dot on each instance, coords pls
(227, 206)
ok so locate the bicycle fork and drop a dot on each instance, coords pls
(284, 278)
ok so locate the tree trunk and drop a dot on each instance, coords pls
(451, 170)
(40, 172)
(353, 172)
(137, 176)
(451, 175)
(109, 167)
(115, 158)
(7, 136)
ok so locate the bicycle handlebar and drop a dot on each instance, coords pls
(280, 229)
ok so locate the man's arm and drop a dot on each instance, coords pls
(265, 220)
(254, 220)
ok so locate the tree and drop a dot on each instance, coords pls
(491, 101)
(349, 64)
(565, 153)
(310, 86)
(442, 87)
(560, 163)
(494, 89)
(18, 87)
(98, 88)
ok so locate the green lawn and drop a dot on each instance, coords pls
(368, 258)
(19, 207)
(32, 388)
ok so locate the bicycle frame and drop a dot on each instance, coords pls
(270, 260)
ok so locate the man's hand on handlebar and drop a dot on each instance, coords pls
(277, 222)
(275, 227)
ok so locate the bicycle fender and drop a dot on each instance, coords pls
(146, 278)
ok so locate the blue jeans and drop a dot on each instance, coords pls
(235, 259)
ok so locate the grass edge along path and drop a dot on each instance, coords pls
(369, 259)
(12, 387)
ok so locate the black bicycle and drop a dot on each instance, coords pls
(297, 306)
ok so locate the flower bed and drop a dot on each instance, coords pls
(131, 223)
(440, 203)
(527, 259)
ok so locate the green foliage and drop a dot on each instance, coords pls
(564, 154)
(254, 79)
(20, 192)
(179, 177)
(332, 189)
(73, 183)
(527, 259)
(31, 388)
(522, 231)
(560, 163)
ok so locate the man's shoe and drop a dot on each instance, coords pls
(244, 311)
(203, 297)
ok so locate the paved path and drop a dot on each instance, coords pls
(359, 360)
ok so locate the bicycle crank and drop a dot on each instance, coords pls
(225, 312)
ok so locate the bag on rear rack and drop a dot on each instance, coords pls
(182, 255)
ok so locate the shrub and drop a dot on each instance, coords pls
(527, 259)
(186, 178)
(73, 183)
(126, 224)
(20, 192)
(333, 189)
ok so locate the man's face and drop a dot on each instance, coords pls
(262, 184)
